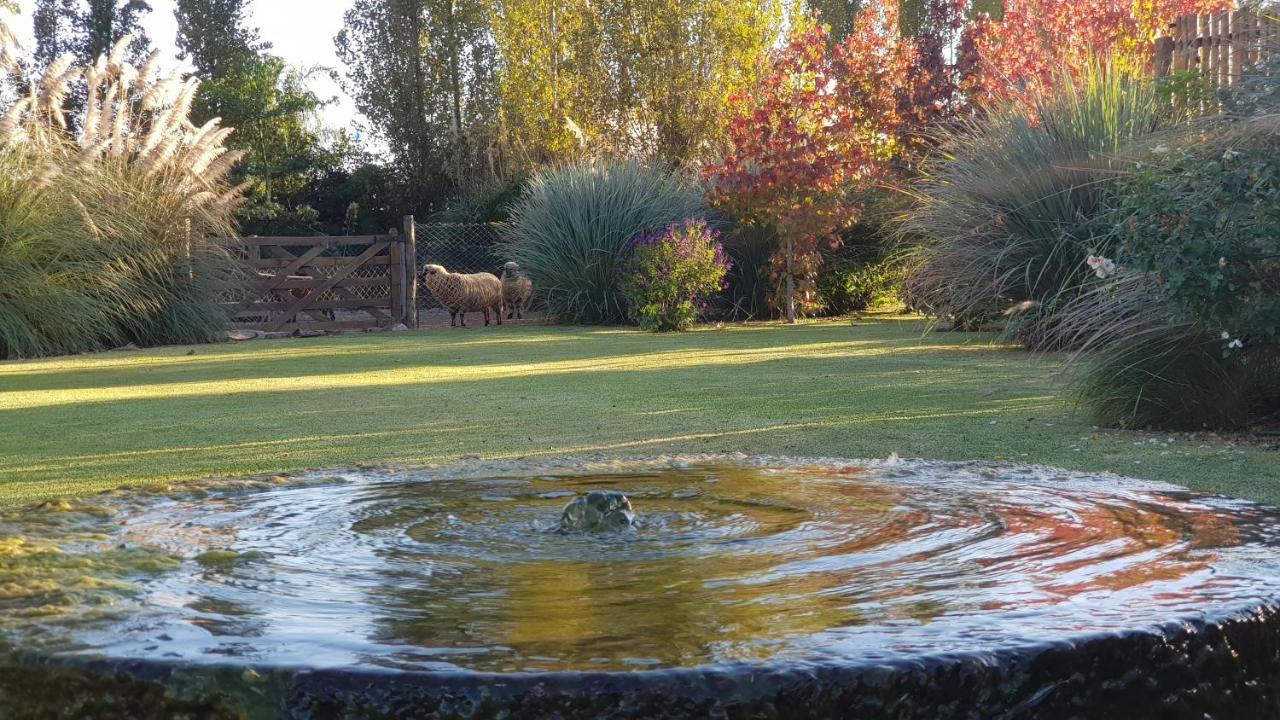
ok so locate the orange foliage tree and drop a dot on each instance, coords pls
(1018, 55)
(819, 127)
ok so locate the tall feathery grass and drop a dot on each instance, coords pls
(106, 218)
(1006, 215)
(573, 227)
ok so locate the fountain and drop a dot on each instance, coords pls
(598, 510)
(700, 586)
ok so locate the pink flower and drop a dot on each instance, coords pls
(1102, 267)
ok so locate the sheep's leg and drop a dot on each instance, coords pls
(486, 317)
(462, 318)
(497, 313)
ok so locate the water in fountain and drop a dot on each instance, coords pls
(723, 563)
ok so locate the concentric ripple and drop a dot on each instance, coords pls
(733, 560)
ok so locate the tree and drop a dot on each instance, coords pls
(820, 127)
(839, 16)
(272, 109)
(215, 36)
(87, 29)
(1019, 54)
(423, 72)
(626, 77)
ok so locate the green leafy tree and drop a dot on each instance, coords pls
(272, 108)
(423, 72)
(87, 29)
(622, 77)
(215, 36)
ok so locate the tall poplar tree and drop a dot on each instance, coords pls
(87, 29)
(423, 73)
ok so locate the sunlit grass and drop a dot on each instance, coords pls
(864, 389)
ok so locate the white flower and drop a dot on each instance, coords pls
(1226, 335)
(1102, 267)
(1160, 149)
(1222, 262)
(1235, 344)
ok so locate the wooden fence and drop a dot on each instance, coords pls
(1219, 46)
(328, 283)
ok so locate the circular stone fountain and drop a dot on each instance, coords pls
(743, 588)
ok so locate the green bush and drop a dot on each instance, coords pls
(671, 273)
(1186, 334)
(751, 248)
(486, 203)
(1008, 212)
(1176, 378)
(573, 228)
(857, 287)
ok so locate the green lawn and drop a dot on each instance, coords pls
(864, 389)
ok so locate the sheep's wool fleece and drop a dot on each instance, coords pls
(466, 292)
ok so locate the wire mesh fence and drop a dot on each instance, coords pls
(460, 248)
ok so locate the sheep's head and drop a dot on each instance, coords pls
(430, 270)
(511, 267)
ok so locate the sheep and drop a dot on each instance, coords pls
(517, 290)
(461, 294)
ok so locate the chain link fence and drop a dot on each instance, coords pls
(460, 248)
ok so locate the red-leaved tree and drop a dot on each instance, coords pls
(820, 127)
(1019, 55)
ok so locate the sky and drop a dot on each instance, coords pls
(300, 31)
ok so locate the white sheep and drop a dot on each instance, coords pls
(517, 290)
(461, 294)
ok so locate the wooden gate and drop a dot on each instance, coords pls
(328, 282)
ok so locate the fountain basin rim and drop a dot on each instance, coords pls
(1243, 611)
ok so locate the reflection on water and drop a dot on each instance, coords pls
(727, 563)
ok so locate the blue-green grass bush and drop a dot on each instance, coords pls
(572, 231)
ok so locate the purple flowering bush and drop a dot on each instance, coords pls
(672, 273)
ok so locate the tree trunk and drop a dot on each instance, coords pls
(791, 284)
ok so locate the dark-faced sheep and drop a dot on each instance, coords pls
(461, 294)
(517, 290)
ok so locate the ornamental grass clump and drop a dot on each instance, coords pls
(105, 229)
(672, 274)
(1006, 215)
(573, 228)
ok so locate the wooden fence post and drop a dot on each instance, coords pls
(411, 271)
(1164, 56)
(395, 274)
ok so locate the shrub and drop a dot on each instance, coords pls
(104, 237)
(573, 228)
(671, 273)
(750, 248)
(1007, 214)
(482, 203)
(1187, 333)
(857, 287)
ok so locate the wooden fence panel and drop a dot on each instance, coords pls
(326, 283)
(1219, 46)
